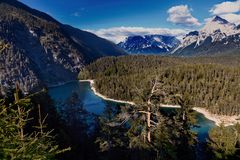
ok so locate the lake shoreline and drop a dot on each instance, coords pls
(102, 96)
(217, 119)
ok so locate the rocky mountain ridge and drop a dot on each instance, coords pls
(149, 44)
(36, 50)
(218, 36)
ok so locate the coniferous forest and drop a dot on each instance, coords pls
(212, 83)
(188, 82)
(37, 130)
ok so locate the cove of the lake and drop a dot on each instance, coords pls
(96, 105)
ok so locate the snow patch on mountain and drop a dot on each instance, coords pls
(149, 44)
(221, 24)
(215, 30)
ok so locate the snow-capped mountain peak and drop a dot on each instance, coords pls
(218, 23)
(217, 33)
(149, 44)
(220, 20)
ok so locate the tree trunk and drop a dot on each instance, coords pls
(149, 125)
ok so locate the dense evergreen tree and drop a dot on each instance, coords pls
(76, 129)
(16, 142)
(224, 142)
(212, 83)
(150, 134)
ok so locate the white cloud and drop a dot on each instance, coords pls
(208, 19)
(182, 15)
(118, 34)
(233, 18)
(226, 7)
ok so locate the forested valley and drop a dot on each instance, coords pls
(212, 83)
(149, 81)
(38, 128)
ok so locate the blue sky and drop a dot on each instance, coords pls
(96, 15)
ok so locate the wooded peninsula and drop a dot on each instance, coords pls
(212, 83)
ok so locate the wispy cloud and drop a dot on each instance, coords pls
(233, 18)
(181, 15)
(118, 34)
(226, 7)
(78, 13)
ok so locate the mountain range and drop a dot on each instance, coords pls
(218, 36)
(149, 44)
(37, 50)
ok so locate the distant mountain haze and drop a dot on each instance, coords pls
(37, 50)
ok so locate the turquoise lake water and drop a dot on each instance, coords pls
(96, 105)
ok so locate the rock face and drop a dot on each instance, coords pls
(218, 36)
(149, 44)
(37, 50)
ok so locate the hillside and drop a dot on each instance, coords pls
(36, 50)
